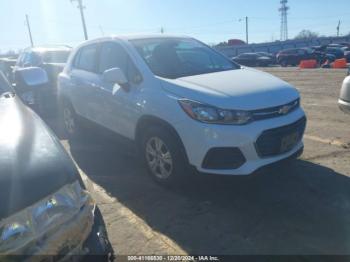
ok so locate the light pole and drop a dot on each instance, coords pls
(81, 8)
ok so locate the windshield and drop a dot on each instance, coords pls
(55, 56)
(177, 57)
(4, 85)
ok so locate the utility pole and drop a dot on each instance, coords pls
(338, 28)
(246, 30)
(29, 31)
(81, 8)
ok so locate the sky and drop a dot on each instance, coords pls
(211, 21)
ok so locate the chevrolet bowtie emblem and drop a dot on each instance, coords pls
(284, 110)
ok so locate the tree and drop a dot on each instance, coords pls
(306, 34)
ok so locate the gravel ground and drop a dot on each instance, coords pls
(300, 207)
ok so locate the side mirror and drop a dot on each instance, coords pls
(115, 75)
(32, 76)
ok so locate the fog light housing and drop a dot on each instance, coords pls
(222, 158)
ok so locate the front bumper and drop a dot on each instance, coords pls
(97, 245)
(199, 138)
(344, 106)
(77, 240)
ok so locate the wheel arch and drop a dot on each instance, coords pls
(152, 121)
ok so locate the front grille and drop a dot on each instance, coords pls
(276, 111)
(275, 141)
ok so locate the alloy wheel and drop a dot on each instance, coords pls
(68, 120)
(159, 158)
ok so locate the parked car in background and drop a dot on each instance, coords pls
(292, 57)
(183, 104)
(344, 98)
(45, 208)
(337, 52)
(333, 45)
(6, 66)
(253, 59)
(272, 56)
(331, 50)
(343, 46)
(347, 56)
(52, 59)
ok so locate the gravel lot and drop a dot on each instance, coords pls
(301, 207)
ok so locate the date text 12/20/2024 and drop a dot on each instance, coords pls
(173, 258)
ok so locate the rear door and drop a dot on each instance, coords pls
(84, 80)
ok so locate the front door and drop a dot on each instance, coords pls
(118, 110)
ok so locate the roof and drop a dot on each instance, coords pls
(45, 48)
(148, 36)
(135, 37)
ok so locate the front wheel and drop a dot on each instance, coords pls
(164, 156)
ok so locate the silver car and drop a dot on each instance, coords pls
(344, 99)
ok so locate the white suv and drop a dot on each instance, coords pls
(183, 103)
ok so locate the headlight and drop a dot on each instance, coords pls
(20, 229)
(213, 115)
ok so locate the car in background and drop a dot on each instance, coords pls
(183, 104)
(293, 57)
(334, 50)
(45, 209)
(6, 66)
(337, 52)
(347, 56)
(343, 46)
(50, 58)
(272, 56)
(253, 59)
(344, 98)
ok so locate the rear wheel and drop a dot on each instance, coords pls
(284, 63)
(71, 127)
(164, 156)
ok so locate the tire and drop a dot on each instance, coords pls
(284, 63)
(69, 121)
(164, 157)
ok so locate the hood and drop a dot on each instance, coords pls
(241, 89)
(33, 164)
